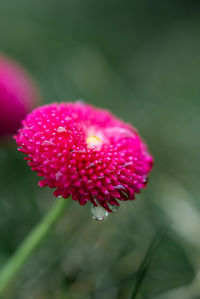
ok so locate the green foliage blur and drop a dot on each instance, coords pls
(140, 59)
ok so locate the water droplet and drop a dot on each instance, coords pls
(90, 165)
(114, 208)
(61, 130)
(80, 102)
(58, 175)
(127, 164)
(120, 187)
(98, 213)
(67, 118)
(100, 177)
(47, 142)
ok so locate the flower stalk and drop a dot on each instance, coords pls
(34, 239)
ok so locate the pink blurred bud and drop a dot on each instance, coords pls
(18, 95)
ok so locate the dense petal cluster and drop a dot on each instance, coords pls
(18, 95)
(85, 152)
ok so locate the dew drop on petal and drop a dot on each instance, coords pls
(58, 175)
(67, 118)
(98, 213)
(47, 142)
(61, 130)
(120, 187)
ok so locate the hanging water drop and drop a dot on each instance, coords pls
(120, 187)
(114, 208)
(98, 213)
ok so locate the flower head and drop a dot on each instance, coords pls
(18, 95)
(85, 152)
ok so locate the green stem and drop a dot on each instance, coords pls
(16, 262)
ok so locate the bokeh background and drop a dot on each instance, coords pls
(141, 60)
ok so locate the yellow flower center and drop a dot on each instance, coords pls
(93, 141)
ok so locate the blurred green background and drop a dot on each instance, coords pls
(141, 60)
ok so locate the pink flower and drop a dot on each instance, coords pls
(85, 152)
(18, 95)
